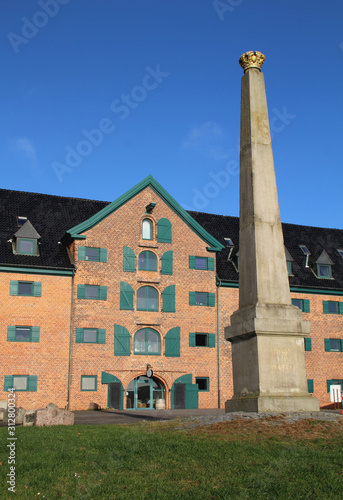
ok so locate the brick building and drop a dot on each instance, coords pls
(125, 303)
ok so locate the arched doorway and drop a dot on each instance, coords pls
(142, 393)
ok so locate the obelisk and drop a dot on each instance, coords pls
(266, 332)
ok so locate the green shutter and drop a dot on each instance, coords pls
(32, 383)
(102, 336)
(192, 298)
(325, 307)
(211, 299)
(310, 385)
(328, 385)
(129, 260)
(81, 291)
(340, 307)
(82, 253)
(11, 333)
(164, 231)
(79, 335)
(192, 339)
(191, 260)
(35, 334)
(103, 254)
(126, 297)
(13, 287)
(167, 262)
(306, 305)
(168, 296)
(121, 341)
(8, 382)
(210, 263)
(211, 340)
(172, 343)
(103, 293)
(192, 396)
(327, 345)
(37, 289)
(308, 344)
(341, 345)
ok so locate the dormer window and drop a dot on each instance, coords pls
(26, 239)
(289, 260)
(324, 264)
(147, 229)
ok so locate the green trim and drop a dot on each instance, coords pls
(227, 284)
(32, 240)
(317, 291)
(37, 270)
(149, 181)
(78, 236)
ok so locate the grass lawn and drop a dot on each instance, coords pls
(238, 459)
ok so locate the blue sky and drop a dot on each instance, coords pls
(96, 95)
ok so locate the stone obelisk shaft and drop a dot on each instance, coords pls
(267, 332)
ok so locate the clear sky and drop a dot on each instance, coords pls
(96, 95)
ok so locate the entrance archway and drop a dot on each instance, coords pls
(142, 392)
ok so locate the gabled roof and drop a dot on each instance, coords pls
(75, 232)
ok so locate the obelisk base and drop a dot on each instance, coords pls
(278, 404)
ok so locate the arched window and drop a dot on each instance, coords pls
(147, 261)
(147, 299)
(147, 229)
(147, 341)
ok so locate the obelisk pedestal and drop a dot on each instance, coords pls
(267, 332)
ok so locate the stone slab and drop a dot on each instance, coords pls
(272, 404)
(29, 418)
(53, 416)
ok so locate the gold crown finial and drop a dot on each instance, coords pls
(252, 59)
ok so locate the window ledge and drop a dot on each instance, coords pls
(148, 245)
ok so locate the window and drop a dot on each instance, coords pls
(340, 251)
(333, 345)
(303, 304)
(147, 341)
(203, 383)
(332, 307)
(21, 382)
(147, 229)
(90, 336)
(88, 382)
(324, 271)
(92, 254)
(202, 340)
(26, 246)
(329, 383)
(23, 333)
(92, 292)
(204, 263)
(201, 299)
(147, 261)
(26, 288)
(147, 299)
(304, 250)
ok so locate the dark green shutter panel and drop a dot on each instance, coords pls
(11, 333)
(121, 341)
(164, 231)
(325, 307)
(35, 333)
(126, 297)
(191, 260)
(211, 340)
(192, 339)
(211, 299)
(310, 385)
(192, 298)
(192, 396)
(328, 384)
(82, 253)
(129, 260)
(79, 335)
(81, 291)
(8, 382)
(308, 344)
(37, 289)
(32, 383)
(169, 299)
(172, 343)
(341, 345)
(340, 307)
(103, 254)
(327, 345)
(13, 287)
(306, 306)
(210, 263)
(103, 293)
(102, 336)
(167, 262)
